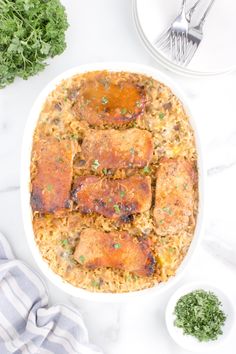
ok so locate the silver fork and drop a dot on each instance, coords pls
(195, 35)
(178, 36)
(164, 40)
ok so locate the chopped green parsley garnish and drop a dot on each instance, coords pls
(64, 242)
(49, 187)
(122, 194)
(146, 169)
(161, 115)
(132, 151)
(104, 170)
(104, 100)
(95, 283)
(81, 259)
(167, 210)
(138, 104)
(95, 164)
(74, 136)
(123, 111)
(117, 246)
(117, 208)
(59, 159)
(200, 315)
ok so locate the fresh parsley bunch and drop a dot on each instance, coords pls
(30, 32)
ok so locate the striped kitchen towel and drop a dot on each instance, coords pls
(27, 324)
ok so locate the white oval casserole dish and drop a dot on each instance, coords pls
(25, 183)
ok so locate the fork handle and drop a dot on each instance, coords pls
(202, 21)
(183, 5)
(191, 11)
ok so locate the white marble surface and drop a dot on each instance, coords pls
(103, 31)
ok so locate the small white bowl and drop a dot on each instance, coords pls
(187, 341)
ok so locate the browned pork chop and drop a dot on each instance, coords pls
(175, 183)
(51, 183)
(109, 101)
(118, 198)
(118, 250)
(112, 149)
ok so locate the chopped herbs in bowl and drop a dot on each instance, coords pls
(199, 316)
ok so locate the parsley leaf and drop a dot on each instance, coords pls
(123, 111)
(161, 115)
(146, 169)
(168, 210)
(64, 242)
(117, 208)
(117, 246)
(199, 314)
(132, 151)
(95, 283)
(49, 187)
(81, 259)
(31, 32)
(122, 194)
(59, 159)
(104, 100)
(95, 164)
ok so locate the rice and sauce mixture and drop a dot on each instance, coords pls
(114, 189)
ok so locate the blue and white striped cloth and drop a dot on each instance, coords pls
(27, 325)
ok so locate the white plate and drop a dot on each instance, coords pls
(25, 182)
(217, 51)
(188, 342)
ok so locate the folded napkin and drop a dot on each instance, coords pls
(27, 325)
